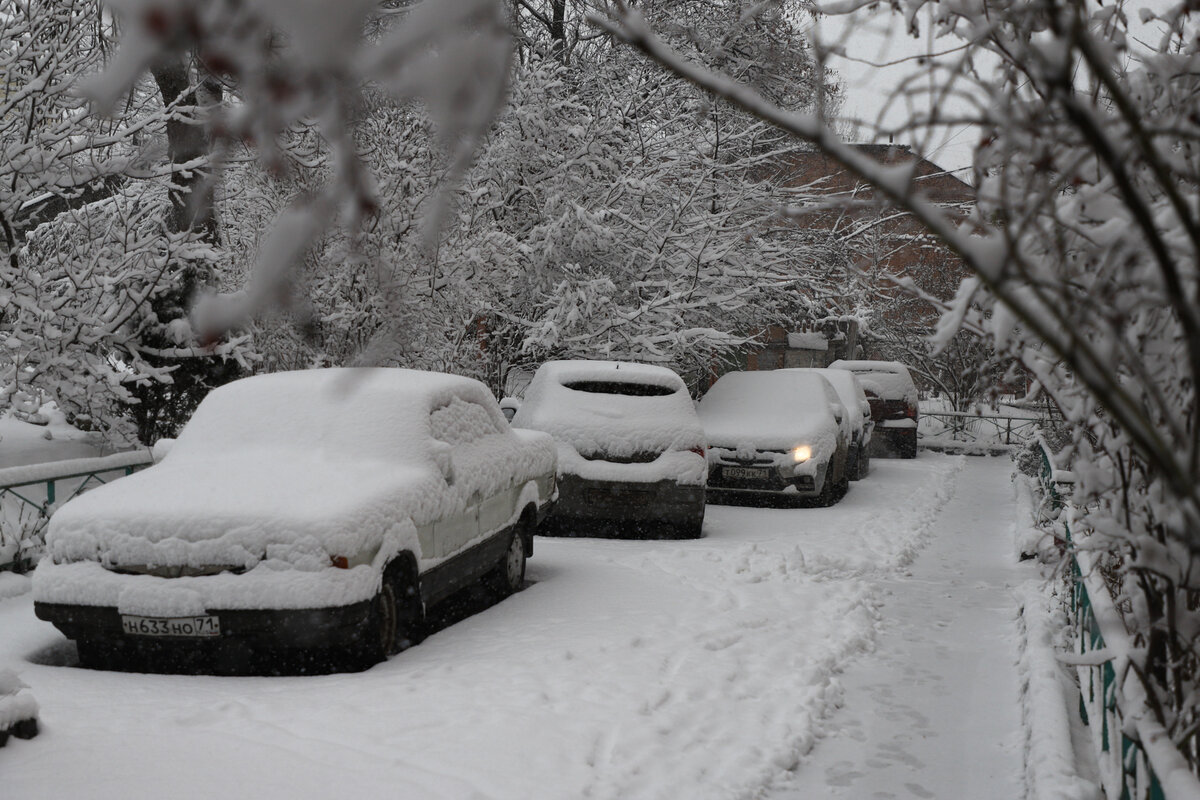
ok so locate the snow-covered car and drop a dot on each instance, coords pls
(314, 509)
(894, 407)
(775, 434)
(854, 399)
(630, 447)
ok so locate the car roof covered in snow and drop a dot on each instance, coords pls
(844, 382)
(616, 407)
(889, 380)
(358, 413)
(767, 409)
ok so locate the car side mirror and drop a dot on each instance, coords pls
(443, 457)
(509, 406)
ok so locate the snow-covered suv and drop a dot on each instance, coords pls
(630, 447)
(324, 508)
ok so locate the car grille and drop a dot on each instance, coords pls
(175, 571)
(760, 458)
(634, 458)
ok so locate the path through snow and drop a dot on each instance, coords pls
(625, 669)
(934, 712)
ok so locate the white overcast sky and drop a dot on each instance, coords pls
(881, 56)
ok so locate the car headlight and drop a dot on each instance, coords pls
(801, 454)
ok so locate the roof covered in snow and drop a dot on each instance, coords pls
(889, 380)
(613, 407)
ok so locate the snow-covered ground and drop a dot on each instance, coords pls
(626, 669)
(933, 711)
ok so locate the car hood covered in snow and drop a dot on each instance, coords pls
(286, 505)
(769, 410)
(302, 465)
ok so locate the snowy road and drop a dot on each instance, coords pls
(700, 669)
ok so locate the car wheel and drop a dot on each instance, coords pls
(829, 489)
(908, 446)
(864, 462)
(509, 575)
(382, 622)
(396, 620)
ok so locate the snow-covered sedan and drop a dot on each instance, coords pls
(894, 406)
(314, 509)
(775, 434)
(630, 447)
(854, 400)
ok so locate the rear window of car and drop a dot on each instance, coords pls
(620, 387)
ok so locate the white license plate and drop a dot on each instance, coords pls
(171, 626)
(745, 473)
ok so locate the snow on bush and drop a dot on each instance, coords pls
(16, 701)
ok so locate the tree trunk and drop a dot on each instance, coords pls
(558, 30)
(191, 193)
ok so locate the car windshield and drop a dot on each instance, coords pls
(626, 388)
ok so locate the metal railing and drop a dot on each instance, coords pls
(967, 426)
(1135, 754)
(35, 488)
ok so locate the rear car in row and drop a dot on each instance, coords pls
(894, 406)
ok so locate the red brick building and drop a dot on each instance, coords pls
(885, 243)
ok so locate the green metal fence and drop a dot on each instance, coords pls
(38, 489)
(1129, 764)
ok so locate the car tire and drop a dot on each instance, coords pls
(864, 462)
(829, 489)
(396, 619)
(509, 574)
(908, 445)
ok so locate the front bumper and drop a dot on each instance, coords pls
(287, 607)
(620, 501)
(770, 482)
(339, 626)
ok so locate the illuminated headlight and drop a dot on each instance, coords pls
(801, 454)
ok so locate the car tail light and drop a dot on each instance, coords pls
(341, 562)
(698, 450)
(910, 412)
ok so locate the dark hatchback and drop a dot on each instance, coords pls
(631, 459)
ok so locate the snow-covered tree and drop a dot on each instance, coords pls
(1083, 257)
(103, 247)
